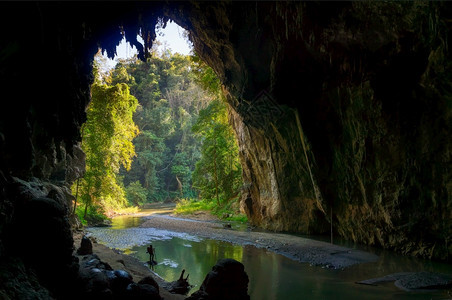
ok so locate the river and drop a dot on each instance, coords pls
(272, 276)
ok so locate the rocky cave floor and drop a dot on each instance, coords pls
(120, 261)
(300, 249)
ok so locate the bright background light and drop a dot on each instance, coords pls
(171, 37)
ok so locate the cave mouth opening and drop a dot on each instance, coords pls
(178, 139)
(169, 37)
(40, 131)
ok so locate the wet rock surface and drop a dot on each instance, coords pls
(100, 281)
(411, 281)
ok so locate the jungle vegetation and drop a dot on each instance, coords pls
(157, 131)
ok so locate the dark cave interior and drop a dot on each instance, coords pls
(338, 107)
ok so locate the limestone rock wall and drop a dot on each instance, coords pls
(341, 109)
(276, 171)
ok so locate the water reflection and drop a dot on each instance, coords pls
(272, 276)
(196, 257)
(122, 222)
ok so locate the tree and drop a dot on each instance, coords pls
(136, 194)
(218, 172)
(170, 101)
(107, 141)
(185, 146)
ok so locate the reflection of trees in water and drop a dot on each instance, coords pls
(208, 252)
(197, 260)
(122, 222)
(274, 276)
(263, 271)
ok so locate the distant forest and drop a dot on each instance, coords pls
(156, 131)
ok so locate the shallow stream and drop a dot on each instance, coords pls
(272, 276)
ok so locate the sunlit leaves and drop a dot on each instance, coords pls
(107, 141)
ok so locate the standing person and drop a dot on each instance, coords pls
(151, 252)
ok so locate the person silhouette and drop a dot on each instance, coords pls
(151, 251)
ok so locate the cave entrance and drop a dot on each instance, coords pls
(157, 131)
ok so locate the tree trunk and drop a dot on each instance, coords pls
(179, 186)
(88, 201)
(216, 172)
(86, 210)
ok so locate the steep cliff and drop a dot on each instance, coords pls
(341, 109)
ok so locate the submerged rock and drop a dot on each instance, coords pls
(410, 281)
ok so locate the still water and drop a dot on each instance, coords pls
(272, 276)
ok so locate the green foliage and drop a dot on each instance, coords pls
(185, 147)
(189, 206)
(205, 76)
(241, 218)
(94, 215)
(227, 212)
(136, 194)
(170, 101)
(107, 142)
(218, 173)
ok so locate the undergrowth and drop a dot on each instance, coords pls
(225, 212)
(189, 206)
(94, 215)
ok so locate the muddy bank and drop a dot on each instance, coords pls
(300, 249)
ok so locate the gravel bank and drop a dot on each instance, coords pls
(297, 248)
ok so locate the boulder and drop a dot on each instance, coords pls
(227, 280)
(142, 291)
(86, 247)
(120, 280)
(93, 261)
(149, 281)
